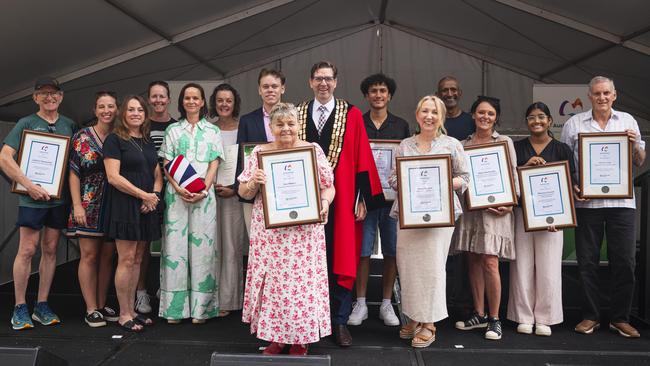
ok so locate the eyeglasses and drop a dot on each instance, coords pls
(51, 128)
(45, 94)
(539, 117)
(320, 79)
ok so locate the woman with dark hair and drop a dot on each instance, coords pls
(486, 235)
(132, 218)
(188, 266)
(231, 229)
(536, 275)
(87, 181)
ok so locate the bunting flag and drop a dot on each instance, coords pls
(185, 175)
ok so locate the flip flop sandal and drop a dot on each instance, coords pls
(407, 333)
(421, 340)
(143, 320)
(130, 325)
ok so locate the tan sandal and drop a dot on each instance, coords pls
(421, 340)
(406, 332)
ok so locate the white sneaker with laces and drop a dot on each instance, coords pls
(359, 314)
(142, 302)
(387, 314)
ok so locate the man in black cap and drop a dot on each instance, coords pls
(38, 209)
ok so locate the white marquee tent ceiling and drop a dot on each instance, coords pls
(121, 45)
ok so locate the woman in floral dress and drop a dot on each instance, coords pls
(87, 186)
(286, 300)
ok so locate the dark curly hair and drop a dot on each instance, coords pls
(213, 100)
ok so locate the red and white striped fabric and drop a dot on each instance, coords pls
(185, 175)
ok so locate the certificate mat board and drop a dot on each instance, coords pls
(491, 183)
(43, 158)
(383, 152)
(547, 196)
(605, 163)
(228, 166)
(291, 195)
(425, 191)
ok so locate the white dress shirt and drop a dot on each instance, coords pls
(584, 122)
(315, 113)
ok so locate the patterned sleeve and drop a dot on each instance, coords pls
(325, 173)
(75, 152)
(459, 167)
(215, 146)
(250, 168)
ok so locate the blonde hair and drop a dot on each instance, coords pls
(440, 107)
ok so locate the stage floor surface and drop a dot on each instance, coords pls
(374, 344)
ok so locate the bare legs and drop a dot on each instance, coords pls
(95, 268)
(485, 280)
(23, 262)
(126, 276)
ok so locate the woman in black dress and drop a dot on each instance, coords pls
(132, 218)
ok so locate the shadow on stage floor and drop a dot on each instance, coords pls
(374, 344)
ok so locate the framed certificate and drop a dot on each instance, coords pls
(425, 191)
(546, 196)
(228, 166)
(291, 195)
(43, 158)
(491, 183)
(605, 165)
(384, 152)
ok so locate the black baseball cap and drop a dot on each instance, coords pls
(46, 81)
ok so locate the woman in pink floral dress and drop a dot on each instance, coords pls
(286, 300)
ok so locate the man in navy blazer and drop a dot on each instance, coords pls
(254, 126)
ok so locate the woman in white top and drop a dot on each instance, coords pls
(231, 231)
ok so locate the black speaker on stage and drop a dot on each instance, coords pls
(233, 359)
(37, 356)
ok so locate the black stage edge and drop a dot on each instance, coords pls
(374, 343)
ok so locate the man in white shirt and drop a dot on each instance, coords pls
(612, 217)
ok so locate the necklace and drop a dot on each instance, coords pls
(136, 144)
(98, 136)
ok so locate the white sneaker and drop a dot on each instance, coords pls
(387, 314)
(542, 330)
(525, 328)
(358, 315)
(142, 302)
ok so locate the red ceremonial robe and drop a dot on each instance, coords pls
(346, 145)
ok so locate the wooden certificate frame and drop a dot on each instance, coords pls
(383, 151)
(496, 187)
(43, 158)
(417, 179)
(547, 196)
(605, 163)
(291, 195)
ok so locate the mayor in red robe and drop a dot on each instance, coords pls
(338, 128)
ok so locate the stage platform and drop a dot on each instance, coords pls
(374, 344)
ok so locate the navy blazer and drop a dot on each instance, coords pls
(251, 129)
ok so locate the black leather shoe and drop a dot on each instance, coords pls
(342, 335)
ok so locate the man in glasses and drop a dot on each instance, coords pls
(337, 126)
(37, 210)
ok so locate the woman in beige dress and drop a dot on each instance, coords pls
(422, 253)
(486, 235)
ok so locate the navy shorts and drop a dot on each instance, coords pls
(35, 218)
